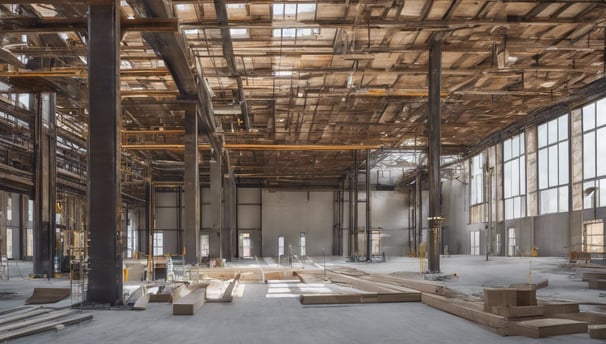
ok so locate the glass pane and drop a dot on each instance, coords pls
(522, 206)
(563, 127)
(522, 144)
(542, 135)
(515, 177)
(589, 155)
(515, 146)
(563, 162)
(509, 209)
(589, 117)
(601, 117)
(507, 179)
(543, 169)
(553, 166)
(507, 150)
(522, 176)
(552, 128)
(602, 193)
(601, 152)
(563, 198)
(516, 208)
(549, 201)
(587, 195)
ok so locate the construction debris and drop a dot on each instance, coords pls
(20, 322)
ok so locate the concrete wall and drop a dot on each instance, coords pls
(290, 213)
(389, 210)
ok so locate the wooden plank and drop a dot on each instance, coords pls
(588, 276)
(504, 297)
(160, 298)
(519, 311)
(37, 328)
(526, 297)
(535, 286)
(463, 310)
(22, 314)
(599, 284)
(191, 303)
(560, 308)
(597, 331)
(540, 328)
(35, 320)
(422, 286)
(357, 298)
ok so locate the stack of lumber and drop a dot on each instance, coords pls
(595, 279)
(25, 321)
(371, 291)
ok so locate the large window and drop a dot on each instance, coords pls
(514, 170)
(594, 153)
(474, 243)
(477, 180)
(158, 243)
(553, 165)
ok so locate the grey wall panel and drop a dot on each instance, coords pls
(389, 210)
(170, 243)
(290, 213)
(205, 218)
(551, 234)
(166, 218)
(166, 199)
(249, 195)
(249, 216)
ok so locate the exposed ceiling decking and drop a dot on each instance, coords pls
(322, 73)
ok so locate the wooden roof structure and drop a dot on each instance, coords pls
(298, 86)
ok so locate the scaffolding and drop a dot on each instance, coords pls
(78, 266)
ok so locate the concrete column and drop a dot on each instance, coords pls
(105, 276)
(434, 130)
(216, 206)
(191, 235)
(45, 186)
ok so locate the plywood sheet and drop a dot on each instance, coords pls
(47, 295)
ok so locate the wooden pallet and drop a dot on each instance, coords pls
(540, 328)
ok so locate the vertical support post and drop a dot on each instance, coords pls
(216, 207)
(144, 235)
(105, 277)
(229, 219)
(351, 218)
(434, 130)
(45, 185)
(419, 211)
(191, 182)
(22, 227)
(368, 243)
(355, 185)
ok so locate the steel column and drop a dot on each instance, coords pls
(434, 131)
(355, 218)
(105, 277)
(45, 185)
(216, 206)
(351, 218)
(368, 243)
(191, 176)
(418, 211)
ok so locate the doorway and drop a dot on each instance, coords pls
(245, 245)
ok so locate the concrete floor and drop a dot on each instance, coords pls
(268, 313)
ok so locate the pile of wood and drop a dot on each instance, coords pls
(25, 321)
(510, 311)
(596, 279)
